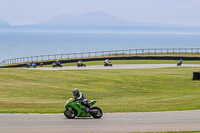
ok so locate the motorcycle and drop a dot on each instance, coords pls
(107, 64)
(179, 63)
(57, 65)
(81, 65)
(30, 65)
(75, 108)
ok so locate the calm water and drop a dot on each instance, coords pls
(13, 45)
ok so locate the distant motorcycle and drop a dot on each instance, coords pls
(73, 109)
(81, 64)
(57, 65)
(30, 65)
(107, 64)
(179, 62)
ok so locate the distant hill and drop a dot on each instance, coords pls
(95, 19)
(4, 23)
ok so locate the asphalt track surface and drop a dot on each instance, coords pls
(110, 122)
(122, 66)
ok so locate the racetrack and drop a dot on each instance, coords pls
(122, 66)
(110, 122)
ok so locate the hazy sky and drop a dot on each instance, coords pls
(185, 12)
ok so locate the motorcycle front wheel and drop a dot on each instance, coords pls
(70, 114)
(96, 112)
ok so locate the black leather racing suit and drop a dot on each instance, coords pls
(81, 97)
(84, 101)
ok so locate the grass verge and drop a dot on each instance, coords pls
(132, 90)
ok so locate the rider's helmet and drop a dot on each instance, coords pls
(75, 92)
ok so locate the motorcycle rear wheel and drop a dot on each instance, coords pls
(70, 114)
(99, 113)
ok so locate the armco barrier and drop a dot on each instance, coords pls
(98, 55)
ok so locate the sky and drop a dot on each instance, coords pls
(182, 12)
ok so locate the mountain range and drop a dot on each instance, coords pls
(95, 21)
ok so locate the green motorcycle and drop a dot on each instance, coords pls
(75, 108)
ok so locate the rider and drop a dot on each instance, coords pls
(57, 62)
(80, 97)
(180, 62)
(80, 62)
(32, 62)
(106, 61)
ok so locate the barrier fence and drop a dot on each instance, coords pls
(128, 52)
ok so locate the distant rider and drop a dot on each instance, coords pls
(80, 62)
(106, 61)
(57, 62)
(180, 62)
(80, 97)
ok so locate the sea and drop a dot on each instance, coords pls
(25, 44)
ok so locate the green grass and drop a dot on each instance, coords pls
(130, 62)
(132, 90)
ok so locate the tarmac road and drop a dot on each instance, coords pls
(110, 122)
(122, 66)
